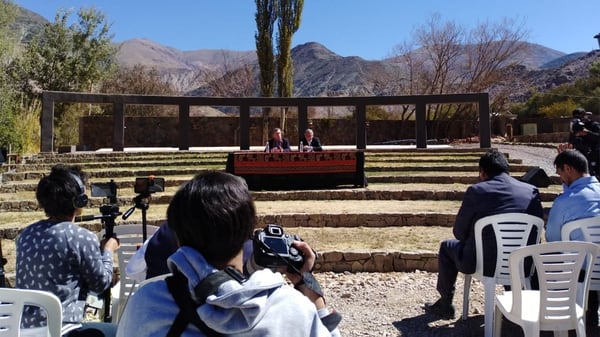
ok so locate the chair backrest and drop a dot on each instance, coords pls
(12, 302)
(590, 227)
(558, 265)
(130, 238)
(512, 231)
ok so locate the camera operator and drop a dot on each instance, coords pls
(58, 256)
(591, 144)
(213, 215)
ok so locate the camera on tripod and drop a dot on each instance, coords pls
(105, 190)
(273, 248)
(149, 185)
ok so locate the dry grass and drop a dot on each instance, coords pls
(368, 238)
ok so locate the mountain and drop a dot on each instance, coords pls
(181, 68)
(27, 25)
(320, 72)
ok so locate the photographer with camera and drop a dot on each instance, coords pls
(58, 256)
(213, 215)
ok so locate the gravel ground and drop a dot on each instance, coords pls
(390, 304)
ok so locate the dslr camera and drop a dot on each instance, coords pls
(273, 248)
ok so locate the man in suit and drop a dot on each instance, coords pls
(310, 142)
(496, 193)
(277, 143)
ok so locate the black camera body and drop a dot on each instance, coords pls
(273, 248)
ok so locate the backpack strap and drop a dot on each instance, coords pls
(187, 303)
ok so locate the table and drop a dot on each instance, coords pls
(298, 170)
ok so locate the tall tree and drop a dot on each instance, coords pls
(10, 126)
(289, 13)
(265, 23)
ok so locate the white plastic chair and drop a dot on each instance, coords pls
(559, 303)
(512, 231)
(12, 302)
(130, 238)
(590, 227)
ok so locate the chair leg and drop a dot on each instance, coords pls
(489, 286)
(497, 322)
(466, 290)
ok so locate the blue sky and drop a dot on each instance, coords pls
(366, 28)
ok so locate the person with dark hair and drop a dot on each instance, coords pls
(580, 199)
(496, 193)
(58, 256)
(310, 142)
(213, 216)
(585, 138)
(278, 143)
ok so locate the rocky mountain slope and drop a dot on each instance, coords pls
(317, 70)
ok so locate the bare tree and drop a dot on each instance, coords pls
(450, 59)
(139, 80)
(233, 78)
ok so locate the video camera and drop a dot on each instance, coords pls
(106, 190)
(273, 248)
(109, 209)
(149, 185)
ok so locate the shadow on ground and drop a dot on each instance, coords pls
(427, 325)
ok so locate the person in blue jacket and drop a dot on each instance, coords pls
(580, 199)
(213, 216)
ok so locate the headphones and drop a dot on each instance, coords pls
(81, 199)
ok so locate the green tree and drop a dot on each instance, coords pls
(265, 22)
(12, 125)
(562, 100)
(289, 13)
(65, 58)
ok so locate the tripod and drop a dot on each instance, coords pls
(141, 201)
(108, 212)
(2, 263)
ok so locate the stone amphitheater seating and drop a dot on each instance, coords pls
(409, 175)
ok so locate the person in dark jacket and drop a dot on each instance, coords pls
(496, 193)
(278, 143)
(310, 142)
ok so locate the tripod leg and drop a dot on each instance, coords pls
(2, 263)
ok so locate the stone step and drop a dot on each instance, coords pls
(294, 213)
(24, 201)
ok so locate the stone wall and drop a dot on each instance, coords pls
(376, 261)
(96, 131)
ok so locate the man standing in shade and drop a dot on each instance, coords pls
(496, 193)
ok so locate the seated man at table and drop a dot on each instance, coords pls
(277, 143)
(310, 142)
